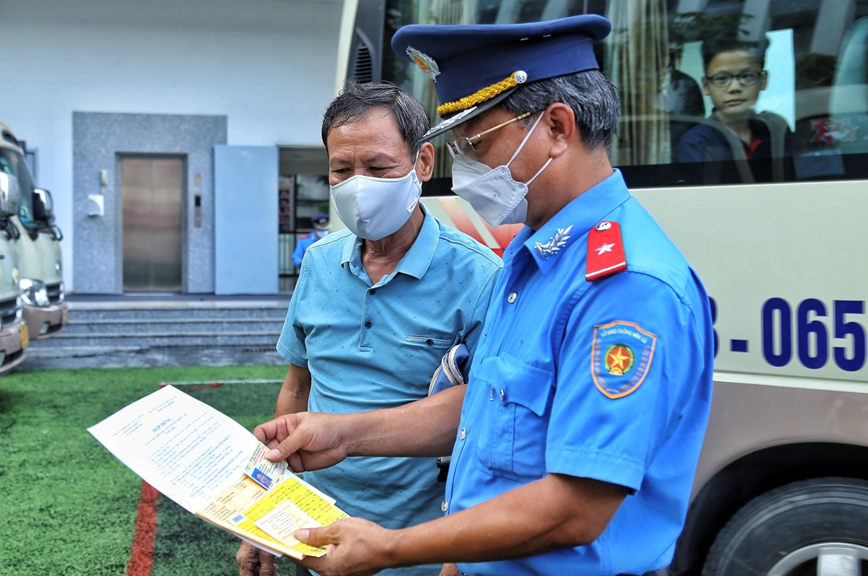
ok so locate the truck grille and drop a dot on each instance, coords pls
(54, 293)
(8, 312)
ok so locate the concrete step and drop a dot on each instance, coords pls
(132, 356)
(148, 328)
(144, 339)
(79, 314)
(170, 326)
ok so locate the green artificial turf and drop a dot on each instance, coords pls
(68, 506)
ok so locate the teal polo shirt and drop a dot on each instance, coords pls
(376, 346)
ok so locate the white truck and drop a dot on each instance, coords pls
(38, 246)
(13, 331)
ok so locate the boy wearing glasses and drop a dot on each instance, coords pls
(734, 78)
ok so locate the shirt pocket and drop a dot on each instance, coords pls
(511, 436)
(427, 341)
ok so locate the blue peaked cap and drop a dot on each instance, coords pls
(476, 66)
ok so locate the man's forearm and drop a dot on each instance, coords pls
(551, 513)
(295, 392)
(554, 512)
(426, 427)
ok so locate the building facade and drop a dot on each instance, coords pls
(126, 105)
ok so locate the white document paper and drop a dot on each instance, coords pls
(182, 447)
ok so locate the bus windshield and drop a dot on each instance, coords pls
(11, 162)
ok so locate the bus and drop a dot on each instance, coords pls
(779, 241)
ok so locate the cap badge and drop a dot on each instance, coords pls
(553, 246)
(520, 77)
(425, 62)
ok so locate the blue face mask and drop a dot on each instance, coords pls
(373, 208)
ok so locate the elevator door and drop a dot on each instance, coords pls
(152, 190)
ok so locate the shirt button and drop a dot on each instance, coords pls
(368, 324)
(512, 297)
(502, 395)
(444, 506)
(462, 433)
(372, 291)
(491, 393)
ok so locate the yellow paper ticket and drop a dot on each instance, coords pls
(285, 508)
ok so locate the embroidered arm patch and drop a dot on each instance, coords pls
(621, 356)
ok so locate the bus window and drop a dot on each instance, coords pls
(712, 91)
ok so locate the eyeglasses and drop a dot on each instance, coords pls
(466, 146)
(724, 79)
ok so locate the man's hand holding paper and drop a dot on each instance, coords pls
(312, 441)
(306, 440)
(356, 547)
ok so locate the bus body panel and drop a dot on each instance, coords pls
(750, 416)
(732, 237)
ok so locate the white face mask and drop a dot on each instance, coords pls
(373, 208)
(321, 231)
(493, 192)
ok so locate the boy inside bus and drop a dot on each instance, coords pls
(734, 77)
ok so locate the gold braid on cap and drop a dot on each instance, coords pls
(485, 94)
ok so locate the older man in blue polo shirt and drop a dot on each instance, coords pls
(578, 434)
(377, 305)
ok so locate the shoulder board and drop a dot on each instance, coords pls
(605, 251)
(305, 236)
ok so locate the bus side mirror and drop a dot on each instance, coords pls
(43, 206)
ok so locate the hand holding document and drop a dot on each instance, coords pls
(213, 467)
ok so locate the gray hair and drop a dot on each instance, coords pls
(356, 100)
(590, 95)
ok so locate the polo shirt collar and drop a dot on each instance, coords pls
(352, 253)
(418, 258)
(583, 213)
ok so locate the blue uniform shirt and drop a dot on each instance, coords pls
(304, 242)
(608, 380)
(370, 347)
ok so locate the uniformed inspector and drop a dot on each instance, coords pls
(320, 223)
(577, 437)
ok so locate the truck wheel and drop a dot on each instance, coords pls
(816, 527)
